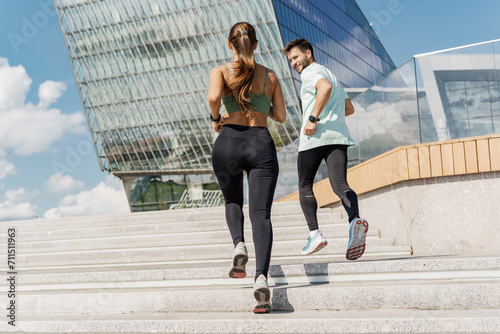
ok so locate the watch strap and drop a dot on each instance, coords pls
(215, 120)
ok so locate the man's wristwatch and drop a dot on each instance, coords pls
(215, 120)
(313, 119)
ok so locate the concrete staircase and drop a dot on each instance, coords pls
(166, 272)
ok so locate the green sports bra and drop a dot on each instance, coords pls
(261, 102)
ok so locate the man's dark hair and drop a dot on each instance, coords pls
(302, 44)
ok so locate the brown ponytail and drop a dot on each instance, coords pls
(242, 36)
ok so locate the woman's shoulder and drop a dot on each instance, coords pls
(223, 68)
(272, 77)
(257, 65)
(218, 68)
(219, 71)
(269, 70)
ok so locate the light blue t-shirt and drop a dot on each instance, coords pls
(331, 128)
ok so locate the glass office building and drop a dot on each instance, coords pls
(342, 38)
(142, 70)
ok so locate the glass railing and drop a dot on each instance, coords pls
(436, 96)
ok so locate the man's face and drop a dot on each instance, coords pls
(299, 59)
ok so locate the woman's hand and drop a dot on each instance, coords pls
(217, 125)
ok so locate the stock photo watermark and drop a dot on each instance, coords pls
(31, 26)
(11, 276)
(74, 157)
(382, 18)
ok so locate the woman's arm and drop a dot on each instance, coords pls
(215, 89)
(277, 112)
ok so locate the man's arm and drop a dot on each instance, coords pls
(323, 92)
(349, 108)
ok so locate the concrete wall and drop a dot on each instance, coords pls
(438, 216)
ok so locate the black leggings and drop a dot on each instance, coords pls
(251, 149)
(336, 161)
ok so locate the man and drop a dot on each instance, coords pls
(324, 135)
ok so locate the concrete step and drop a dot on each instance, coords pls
(48, 225)
(298, 322)
(77, 242)
(183, 253)
(116, 274)
(140, 228)
(120, 297)
(166, 216)
(320, 257)
(297, 271)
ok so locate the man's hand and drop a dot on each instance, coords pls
(349, 108)
(310, 128)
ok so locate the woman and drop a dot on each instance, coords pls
(244, 92)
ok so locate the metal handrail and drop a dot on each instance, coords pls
(198, 198)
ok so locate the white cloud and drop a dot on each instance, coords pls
(17, 205)
(19, 195)
(107, 197)
(49, 92)
(15, 211)
(61, 184)
(27, 128)
(30, 130)
(14, 85)
(6, 168)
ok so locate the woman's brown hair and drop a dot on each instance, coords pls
(242, 36)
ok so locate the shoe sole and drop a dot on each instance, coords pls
(262, 309)
(262, 297)
(239, 264)
(357, 246)
(318, 248)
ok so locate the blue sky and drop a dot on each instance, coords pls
(410, 27)
(48, 166)
(55, 171)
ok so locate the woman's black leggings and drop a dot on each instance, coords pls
(336, 161)
(251, 149)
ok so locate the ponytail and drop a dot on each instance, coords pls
(243, 38)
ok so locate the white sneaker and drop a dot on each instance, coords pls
(262, 295)
(357, 237)
(240, 259)
(314, 243)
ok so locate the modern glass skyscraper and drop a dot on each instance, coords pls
(343, 40)
(142, 71)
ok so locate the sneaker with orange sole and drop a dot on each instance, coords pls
(240, 259)
(262, 295)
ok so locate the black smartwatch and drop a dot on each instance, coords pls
(213, 119)
(313, 119)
